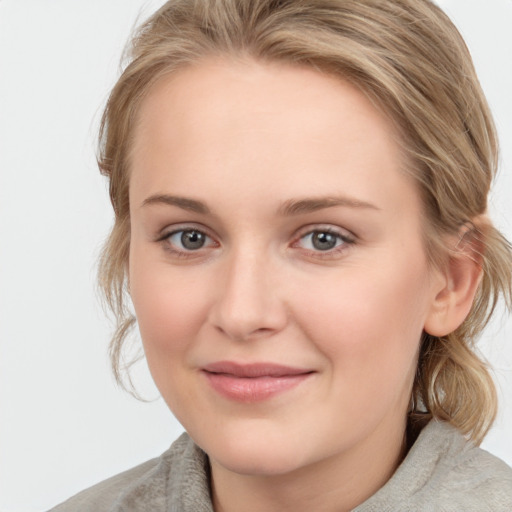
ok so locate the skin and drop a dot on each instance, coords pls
(246, 139)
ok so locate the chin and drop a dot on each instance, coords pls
(256, 461)
(258, 451)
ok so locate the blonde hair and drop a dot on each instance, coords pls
(408, 58)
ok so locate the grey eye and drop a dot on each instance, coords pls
(188, 239)
(321, 241)
(192, 239)
(324, 241)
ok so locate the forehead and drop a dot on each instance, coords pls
(261, 126)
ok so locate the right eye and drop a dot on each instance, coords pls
(183, 241)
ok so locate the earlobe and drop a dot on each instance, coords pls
(453, 299)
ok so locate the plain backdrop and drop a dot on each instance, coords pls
(64, 425)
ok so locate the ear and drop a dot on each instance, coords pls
(458, 282)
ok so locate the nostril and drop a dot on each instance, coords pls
(238, 335)
(261, 330)
(243, 311)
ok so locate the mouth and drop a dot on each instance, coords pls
(253, 382)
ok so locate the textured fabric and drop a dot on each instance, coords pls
(441, 473)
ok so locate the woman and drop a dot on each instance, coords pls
(300, 194)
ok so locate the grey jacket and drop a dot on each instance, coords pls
(441, 473)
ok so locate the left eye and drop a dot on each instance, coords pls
(322, 240)
(189, 239)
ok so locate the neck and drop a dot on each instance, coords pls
(337, 484)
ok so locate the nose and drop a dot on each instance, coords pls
(249, 304)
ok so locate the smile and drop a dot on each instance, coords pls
(253, 382)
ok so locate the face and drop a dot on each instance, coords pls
(276, 264)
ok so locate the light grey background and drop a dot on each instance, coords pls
(63, 423)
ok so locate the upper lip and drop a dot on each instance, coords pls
(254, 369)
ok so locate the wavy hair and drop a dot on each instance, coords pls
(410, 60)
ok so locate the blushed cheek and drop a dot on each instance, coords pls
(366, 318)
(373, 354)
(167, 312)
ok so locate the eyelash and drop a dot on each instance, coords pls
(183, 253)
(344, 241)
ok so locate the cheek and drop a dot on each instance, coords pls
(169, 305)
(368, 323)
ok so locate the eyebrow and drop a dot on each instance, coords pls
(288, 208)
(181, 202)
(308, 205)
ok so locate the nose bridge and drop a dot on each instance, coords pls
(248, 303)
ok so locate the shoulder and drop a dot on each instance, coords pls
(445, 472)
(102, 496)
(460, 470)
(469, 476)
(147, 481)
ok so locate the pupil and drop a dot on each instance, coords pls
(324, 241)
(192, 239)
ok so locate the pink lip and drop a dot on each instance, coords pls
(253, 382)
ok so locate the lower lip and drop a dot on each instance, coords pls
(254, 389)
